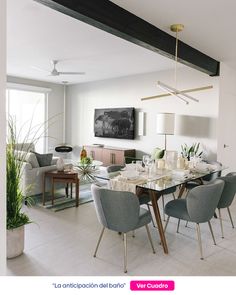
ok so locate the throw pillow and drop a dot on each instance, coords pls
(44, 159)
(27, 157)
(32, 159)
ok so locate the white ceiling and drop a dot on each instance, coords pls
(37, 34)
(209, 24)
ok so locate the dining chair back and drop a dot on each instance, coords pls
(227, 197)
(120, 212)
(215, 175)
(205, 179)
(114, 168)
(198, 207)
(202, 201)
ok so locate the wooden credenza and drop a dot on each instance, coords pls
(109, 155)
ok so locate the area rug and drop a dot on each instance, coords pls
(61, 202)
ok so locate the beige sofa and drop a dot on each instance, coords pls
(31, 173)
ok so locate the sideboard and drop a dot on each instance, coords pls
(109, 155)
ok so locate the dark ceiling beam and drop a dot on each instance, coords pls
(111, 18)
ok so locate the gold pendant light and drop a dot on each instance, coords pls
(170, 90)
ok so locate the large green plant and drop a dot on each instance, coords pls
(15, 216)
(15, 198)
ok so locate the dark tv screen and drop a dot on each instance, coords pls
(114, 123)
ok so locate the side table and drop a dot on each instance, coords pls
(67, 177)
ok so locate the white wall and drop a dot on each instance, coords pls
(199, 118)
(227, 118)
(2, 137)
(55, 108)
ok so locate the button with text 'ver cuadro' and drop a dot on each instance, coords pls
(152, 285)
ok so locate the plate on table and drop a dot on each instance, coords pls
(131, 175)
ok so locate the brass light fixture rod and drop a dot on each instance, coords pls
(170, 90)
(178, 92)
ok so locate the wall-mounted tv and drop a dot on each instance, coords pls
(114, 123)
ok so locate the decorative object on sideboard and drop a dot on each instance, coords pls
(60, 164)
(165, 124)
(174, 91)
(141, 116)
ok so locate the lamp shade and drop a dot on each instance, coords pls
(165, 123)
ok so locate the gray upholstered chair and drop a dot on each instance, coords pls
(143, 199)
(198, 207)
(227, 197)
(206, 179)
(120, 212)
(114, 168)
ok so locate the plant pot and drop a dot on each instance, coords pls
(15, 241)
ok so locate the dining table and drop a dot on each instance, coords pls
(155, 186)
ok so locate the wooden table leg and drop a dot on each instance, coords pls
(44, 181)
(154, 199)
(53, 191)
(77, 192)
(181, 191)
(71, 187)
(66, 189)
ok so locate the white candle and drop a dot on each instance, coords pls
(180, 163)
(161, 164)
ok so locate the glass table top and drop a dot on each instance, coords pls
(163, 179)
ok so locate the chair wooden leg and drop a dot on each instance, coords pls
(212, 234)
(173, 196)
(230, 217)
(178, 226)
(221, 224)
(167, 221)
(98, 243)
(186, 225)
(163, 207)
(199, 239)
(125, 253)
(150, 238)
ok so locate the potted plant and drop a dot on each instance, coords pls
(187, 151)
(16, 219)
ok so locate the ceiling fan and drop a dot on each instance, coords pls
(55, 72)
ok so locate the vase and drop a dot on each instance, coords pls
(15, 241)
(60, 164)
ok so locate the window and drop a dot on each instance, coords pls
(28, 108)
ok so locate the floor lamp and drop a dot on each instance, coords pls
(165, 124)
(64, 148)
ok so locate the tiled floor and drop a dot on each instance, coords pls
(62, 243)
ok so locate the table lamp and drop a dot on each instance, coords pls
(165, 124)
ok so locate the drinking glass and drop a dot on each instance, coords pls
(193, 159)
(147, 162)
(139, 166)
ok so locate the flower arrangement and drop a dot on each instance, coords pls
(187, 151)
(85, 169)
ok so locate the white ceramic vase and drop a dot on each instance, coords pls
(15, 241)
(60, 164)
